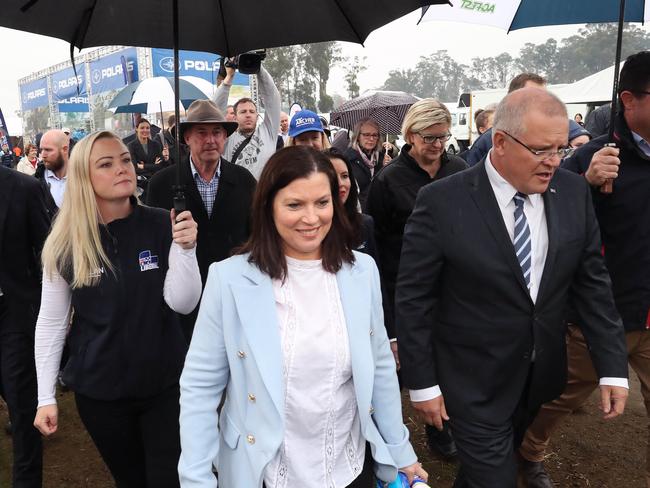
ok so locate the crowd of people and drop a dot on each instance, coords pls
(260, 337)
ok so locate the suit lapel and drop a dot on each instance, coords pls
(258, 315)
(483, 196)
(225, 189)
(191, 191)
(550, 209)
(6, 190)
(356, 301)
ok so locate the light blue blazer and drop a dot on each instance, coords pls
(236, 347)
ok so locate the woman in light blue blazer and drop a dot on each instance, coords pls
(292, 329)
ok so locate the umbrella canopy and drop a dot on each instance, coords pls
(155, 95)
(227, 28)
(519, 14)
(387, 108)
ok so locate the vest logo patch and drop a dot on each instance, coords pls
(147, 261)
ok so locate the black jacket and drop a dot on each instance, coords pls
(154, 150)
(466, 318)
(229, 224)
(362, 173)
(24, 225)
(125, 342)
(390, 201)
(624, 219)
(39, 174)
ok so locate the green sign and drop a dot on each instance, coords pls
(483, 7)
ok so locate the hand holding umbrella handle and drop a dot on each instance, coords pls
(608, 187)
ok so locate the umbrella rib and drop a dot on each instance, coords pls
(347, 19)
(225, 33)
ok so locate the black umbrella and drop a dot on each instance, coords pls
(216, 26)
(387, 108)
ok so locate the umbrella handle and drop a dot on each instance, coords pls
(608, 187)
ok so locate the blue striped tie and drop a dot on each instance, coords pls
(521, 240)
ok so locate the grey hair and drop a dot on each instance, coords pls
(511, 112)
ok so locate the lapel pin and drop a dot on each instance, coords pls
(552, 190)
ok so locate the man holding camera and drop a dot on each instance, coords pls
(251, 145)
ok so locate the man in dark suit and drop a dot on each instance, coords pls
(218, 193)
(489, 258)
(24, 224)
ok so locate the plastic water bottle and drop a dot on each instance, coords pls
(402, 482)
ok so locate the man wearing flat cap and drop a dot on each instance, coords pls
(218, 193)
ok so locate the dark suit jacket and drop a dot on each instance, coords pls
(154, 150)
(229, 224)
(467, 322)
(24, 225)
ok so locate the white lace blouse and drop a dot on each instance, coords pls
(323, 446)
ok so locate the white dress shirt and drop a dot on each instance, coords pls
(56, 185)
(534, 211)
(323, 444)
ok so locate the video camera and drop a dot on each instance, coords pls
(248, 63)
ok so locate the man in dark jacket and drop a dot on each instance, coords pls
(24, 224)
(218, 193)
(623, 217)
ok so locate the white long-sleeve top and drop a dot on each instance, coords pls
(323, 444)
(182, 291)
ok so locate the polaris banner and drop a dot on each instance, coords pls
(192, 63)
(34, 94)
(64, 89)
(108, 74)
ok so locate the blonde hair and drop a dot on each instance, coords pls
(325, 142)
(425, 113)
(74, 247)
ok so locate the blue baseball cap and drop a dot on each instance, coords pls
(576, 130)
(304, 121)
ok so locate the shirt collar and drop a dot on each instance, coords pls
(50, 175)
(504, 191)
(641, 143)
(196, 172)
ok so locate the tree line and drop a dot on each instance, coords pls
(301, 72)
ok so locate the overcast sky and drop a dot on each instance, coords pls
(396, 45)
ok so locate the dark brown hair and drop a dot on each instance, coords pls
(521, 79)
(264, 243)
(351, 205)
(243, 100)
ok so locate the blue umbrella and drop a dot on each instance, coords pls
(519, 14)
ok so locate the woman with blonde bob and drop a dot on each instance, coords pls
(391, 199)
(124, 269)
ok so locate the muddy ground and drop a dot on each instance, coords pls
(586, 452)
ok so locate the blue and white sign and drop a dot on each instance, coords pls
(34, 94)
(107, 73)
(192, 63)
(64, 89)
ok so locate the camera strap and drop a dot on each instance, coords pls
(241, 147)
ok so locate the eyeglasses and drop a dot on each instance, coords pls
(544, 155)
(370, 135)
(429, 139)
